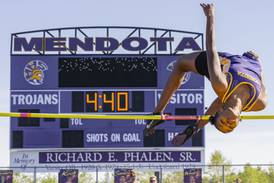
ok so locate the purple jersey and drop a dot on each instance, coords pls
(242, 70)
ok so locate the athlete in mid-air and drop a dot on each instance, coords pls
(236, 79)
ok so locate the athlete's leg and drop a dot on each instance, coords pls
(185, 63)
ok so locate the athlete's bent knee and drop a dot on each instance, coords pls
(183, 64)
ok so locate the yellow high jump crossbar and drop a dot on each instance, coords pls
(124, 117)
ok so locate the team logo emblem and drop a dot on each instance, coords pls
(170, 68)
(34, 72)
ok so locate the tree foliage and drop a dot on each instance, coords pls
(218, 165)
(85, 177)
(49, 178)
(249, 174)
(22, 178)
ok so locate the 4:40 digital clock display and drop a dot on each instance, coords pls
(108, 101)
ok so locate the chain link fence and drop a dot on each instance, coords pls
(248, 173)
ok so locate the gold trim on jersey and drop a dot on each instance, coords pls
(247, 76)
(228, 94)
(229, 85)
(252, 105)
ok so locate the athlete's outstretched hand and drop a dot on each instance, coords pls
(190, 131)
(208, 9)
(181, 138)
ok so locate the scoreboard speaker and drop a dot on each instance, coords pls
(73, 138)
(185, 111)
(64, 123)
(156, 140)
(138, 100)
(49, 119)
(77, 104)
(17, 139)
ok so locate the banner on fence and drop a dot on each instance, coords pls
(68, 176)
(124, 175)
(6, 176)
(193, 175)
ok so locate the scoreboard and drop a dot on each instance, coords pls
(97, 84)
(92, 84)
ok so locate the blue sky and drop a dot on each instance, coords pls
(240, 25)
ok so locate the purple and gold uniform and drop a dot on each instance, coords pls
(240, 70)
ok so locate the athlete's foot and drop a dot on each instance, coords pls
(151, 124)
(150, 127)
(149, 131)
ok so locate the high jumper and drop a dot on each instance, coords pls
(236, 79)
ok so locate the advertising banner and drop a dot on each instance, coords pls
(88, 160)
(124, 175)
(6, 176)
(193, 175)
(68, 176)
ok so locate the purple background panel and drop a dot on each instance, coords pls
(120, 157)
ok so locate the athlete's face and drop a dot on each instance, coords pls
(227, 119)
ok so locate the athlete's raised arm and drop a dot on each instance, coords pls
(217, 77)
